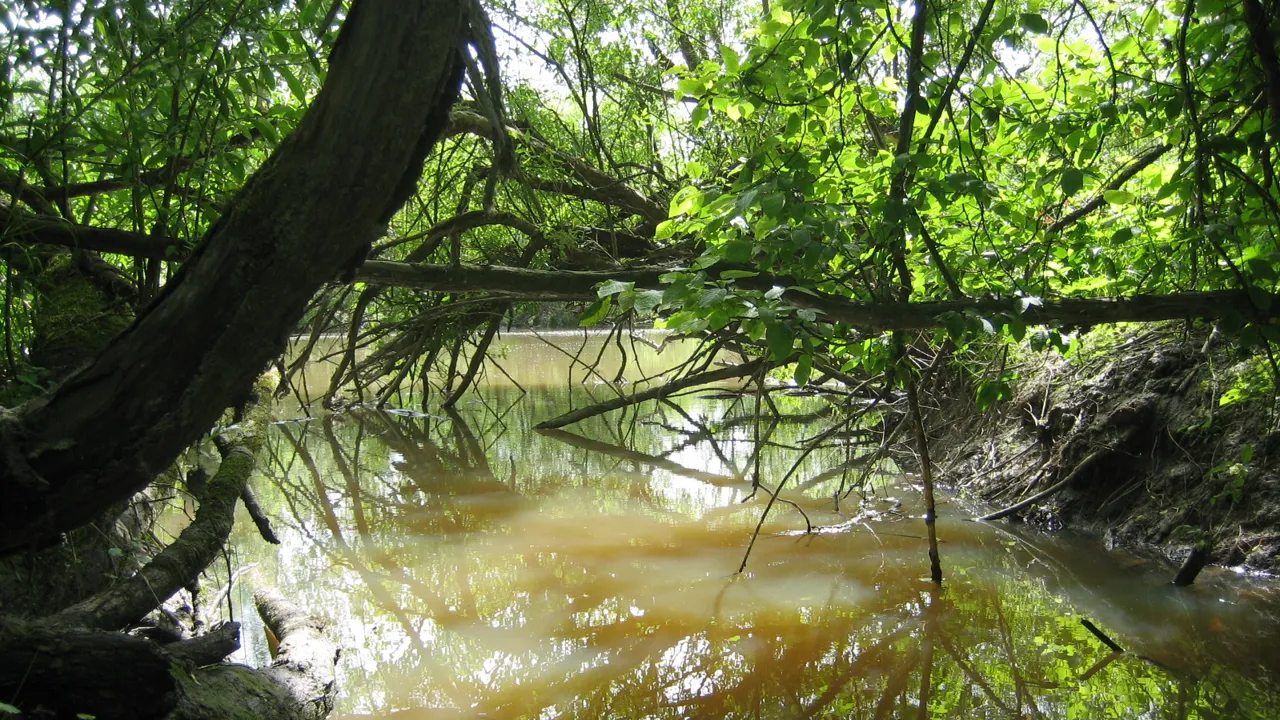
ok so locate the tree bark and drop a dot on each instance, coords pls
(309, 213)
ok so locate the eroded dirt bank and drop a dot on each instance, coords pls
(1136, 431)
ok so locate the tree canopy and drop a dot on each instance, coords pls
(795, 180)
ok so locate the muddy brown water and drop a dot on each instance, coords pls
(472, 567)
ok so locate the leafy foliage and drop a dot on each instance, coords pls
(1030, 151)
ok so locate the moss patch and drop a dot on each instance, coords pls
(75, 319)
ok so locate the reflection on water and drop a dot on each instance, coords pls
(532, 359)
(471, 567)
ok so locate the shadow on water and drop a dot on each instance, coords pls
(472, 567)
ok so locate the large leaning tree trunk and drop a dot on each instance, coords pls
(306, 216)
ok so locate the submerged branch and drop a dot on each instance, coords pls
(640, 458)
(655, 393)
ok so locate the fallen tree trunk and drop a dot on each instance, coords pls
(305, 658)
(576, 285)
(70, 672)
(299, 684)
(523, 284)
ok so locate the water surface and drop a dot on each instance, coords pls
(471, 567)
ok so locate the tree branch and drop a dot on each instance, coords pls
(654, 393)
(28, 229)
(1122, 177)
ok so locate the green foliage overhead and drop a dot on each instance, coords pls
(860, 151)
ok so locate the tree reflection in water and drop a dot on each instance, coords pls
(474, 568)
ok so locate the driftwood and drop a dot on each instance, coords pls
(206, 649)
(1192, 566)
(305, 659)
(299, 685)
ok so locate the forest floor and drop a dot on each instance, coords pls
(1159, 439)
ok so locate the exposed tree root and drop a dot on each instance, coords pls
(1084, 466)
(1146, 452)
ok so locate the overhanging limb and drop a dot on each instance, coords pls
(525, 284)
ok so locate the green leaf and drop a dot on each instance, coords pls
(690, 87)
(613, 287)
(955, 325)
(731, 60)
(647, 300)
(712, 297)
(991, 392)
(1261, 269)
(779, 337)
(1017, 329)
(1029, 301)
(738, 251)
(688, 200)
(1034, 22)
(596, 311)
(295, 85)
(265, 127)
(665, 230)
(7, 708)
(1118, 197)
(699, 115)
(1151, 23)
(804, 368)
(794, 123)
(772, 203)
(1072, 181)
(1261, 298)
(307, 12)
(735, 274)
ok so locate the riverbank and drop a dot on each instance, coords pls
(1158, 440)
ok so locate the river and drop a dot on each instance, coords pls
(470, 566)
